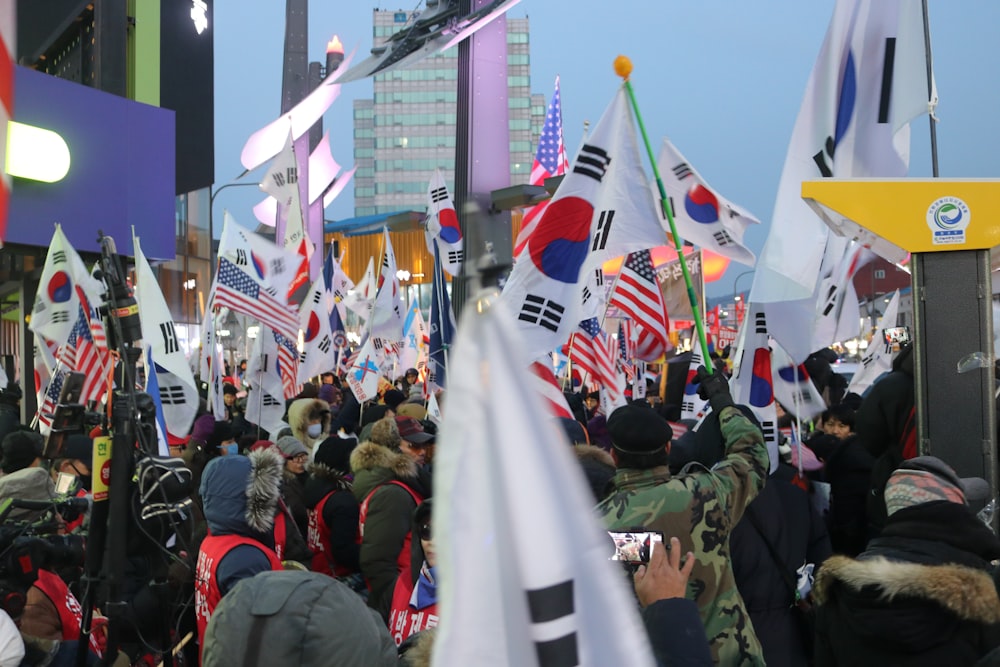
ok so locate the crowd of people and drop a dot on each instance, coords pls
(315, 544)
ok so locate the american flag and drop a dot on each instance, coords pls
(550, 160)
(83, 354)
(637, 294)
(626, 349)
(238, 291)
(288, 359)
(593, 351)
(51, 399)
(548, 388)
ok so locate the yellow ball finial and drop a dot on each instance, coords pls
(623, 66)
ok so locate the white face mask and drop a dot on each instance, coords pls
(314, 430)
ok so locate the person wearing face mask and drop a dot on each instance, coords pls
(77, 455)
(223, 440)
(309, 419)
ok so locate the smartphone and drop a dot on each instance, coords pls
(634, 547)
(896, 335)
(65, 484)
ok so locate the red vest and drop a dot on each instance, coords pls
(70, 611)
(404, 620)
(318, 539)
(280, 530)
(206, 585)
(403, 559)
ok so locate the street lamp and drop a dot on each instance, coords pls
(737, 297)
(211, 215)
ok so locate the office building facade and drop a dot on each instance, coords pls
(408, 129)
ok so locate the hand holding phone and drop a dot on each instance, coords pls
(634, 547)
(663, 577)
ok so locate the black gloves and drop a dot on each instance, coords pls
(714, 388)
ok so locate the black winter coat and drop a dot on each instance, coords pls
(921, 594)
(792, 526)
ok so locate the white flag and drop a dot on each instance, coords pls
(282, 182)
(57, 302)
(551, 584)
(361, 298)
(364, 373)
(265, 400)
(853, 123)
(879, 355)
(433, 409)
(694, 406)
(178, 392)
(603, 209)
(318, 353)
(387, 311)
(442, 226)
(701, 215)
(793, 386)
(413, 352)
(752, 383)
(211, 365)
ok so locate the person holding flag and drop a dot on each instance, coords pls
(686, 506)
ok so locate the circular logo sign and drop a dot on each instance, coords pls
(948, 218)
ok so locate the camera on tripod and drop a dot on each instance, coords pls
(32, 545)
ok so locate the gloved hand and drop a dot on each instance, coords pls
(714, 388)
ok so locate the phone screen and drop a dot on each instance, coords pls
(65, 484)
(895, 337)
(634, 546)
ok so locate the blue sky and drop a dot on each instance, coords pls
(722, 78)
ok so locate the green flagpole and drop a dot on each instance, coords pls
(623, 68)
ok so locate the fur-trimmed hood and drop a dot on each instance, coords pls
(298, 419)
(322, 480)
(374, 464)
(966, 592)
(240, 493)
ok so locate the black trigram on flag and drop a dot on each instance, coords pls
(170, 344)
(549, 606)
(831, 300)
(278, 265)
(687, 406)
(59, 257)
(439, 195)
(867, 361)
(599, 277)
(269, 401)
(60, 317)
(378, 344)
(241, 257)
(603, 229)
(586, 294)
(325, 344)
(172, 395)
(290, 176)
(455, 256)
(760, 322)
(682, 171)
(593, 162)
(541, 311)
(767, 427)
(317, 297)
(723, 238)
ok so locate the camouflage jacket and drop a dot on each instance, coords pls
(700, 508)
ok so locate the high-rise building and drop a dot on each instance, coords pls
(408, 129)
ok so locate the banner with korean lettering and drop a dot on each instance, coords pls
(670, 276)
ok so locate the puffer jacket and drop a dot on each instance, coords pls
(389, 513)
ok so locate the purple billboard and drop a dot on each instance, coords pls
(121, 173)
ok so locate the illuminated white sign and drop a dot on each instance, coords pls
(199, 14)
